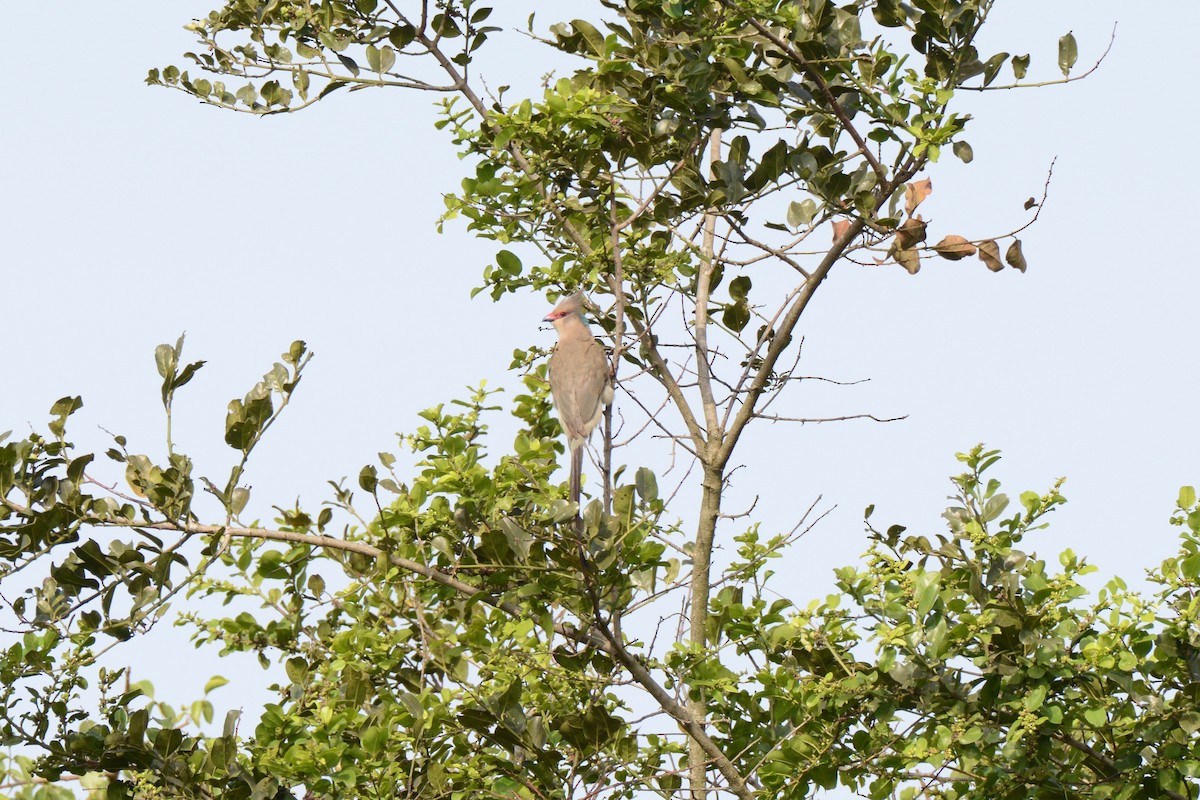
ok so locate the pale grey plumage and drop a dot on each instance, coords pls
(579, 380)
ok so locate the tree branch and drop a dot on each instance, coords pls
(330, 543)
(681, 715)
(1060, 81)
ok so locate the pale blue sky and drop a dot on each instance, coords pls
(129, 214)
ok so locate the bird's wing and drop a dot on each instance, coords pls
(595, 391)
(579, 381)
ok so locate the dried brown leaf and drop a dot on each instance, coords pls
(907, 258)
(915, 194)
(1014, 256)
(1030, 203)
(954, 248)
(989, 254)
(911, 233)
(839, 228)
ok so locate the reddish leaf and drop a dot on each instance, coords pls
(989, 253)
(839, 228)
(954, 248)
(915, 194)
(1014, 256)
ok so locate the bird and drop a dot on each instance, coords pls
(580, 380)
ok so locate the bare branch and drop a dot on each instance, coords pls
(802, 420)
(616, 648)
(768, 249)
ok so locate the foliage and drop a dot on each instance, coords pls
(464, 629)
(957, 663)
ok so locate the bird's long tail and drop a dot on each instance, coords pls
(576, 473)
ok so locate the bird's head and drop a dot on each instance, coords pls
(572, 304)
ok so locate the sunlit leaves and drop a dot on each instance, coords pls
(442, 637)
(801, 213)
(991, 68)
(1020, 66)
(166, 358)
(246, 418)
(1068, 53)
(61, 410)
(380, 59)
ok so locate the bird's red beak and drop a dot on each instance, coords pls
(553, 315)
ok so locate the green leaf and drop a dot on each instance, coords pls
(368, 478)
(165, 358)
(187, 373)
(349, 63)
(801, 213)
(1187, 497)
(330, 87)
(991, 67)
(1068, 52)
(508, 263)
(297, 669)
(518, 538)
(215, 682)
(1020, 66)
(994, 507)
(647, 484)
(402, 35)
(592, 37)
(296, 351)
(63, 408)
(77, 466)
(374, 739)
(964, 152)
(925, 589)
(238, 499)
(736, 316)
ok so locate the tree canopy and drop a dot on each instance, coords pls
(463, 629)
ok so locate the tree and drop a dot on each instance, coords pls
(466, 629)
